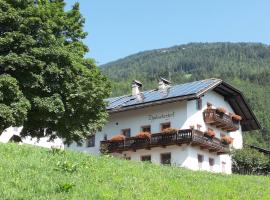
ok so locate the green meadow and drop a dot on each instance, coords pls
(28, 172)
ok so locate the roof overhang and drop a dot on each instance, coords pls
(239, 105)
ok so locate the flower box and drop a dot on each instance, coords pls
(221, 110)
(210, 133)
(236, 117)
(226, 139)
(118, 138)
(143, 135)
(170, 131)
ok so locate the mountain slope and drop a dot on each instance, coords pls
(35, 173)
(244, 65)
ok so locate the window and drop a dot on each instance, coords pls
(146, 129)
(165, 125)
(146, 158)
(211, 163)
(91, 141)
(128, 158)
(199, 104)
(200, 161)
(105, 137)
(166, 158)
(126, 132)
(223, 165)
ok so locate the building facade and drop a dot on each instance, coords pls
(193, 125)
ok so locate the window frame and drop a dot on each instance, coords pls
(162, 161)
(146, 126)
(165, 123)
(200, 159)
(126, 129)
(199, 103)
(146, 156)
(91, 141)
(211, 163)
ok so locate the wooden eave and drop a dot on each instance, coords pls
(239, 105)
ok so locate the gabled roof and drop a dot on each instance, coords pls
(188, 91)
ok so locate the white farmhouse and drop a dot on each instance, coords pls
(192, 125)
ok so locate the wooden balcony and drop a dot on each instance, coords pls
(220, 120)
(188, 136)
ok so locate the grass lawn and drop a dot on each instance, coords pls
(34, 173)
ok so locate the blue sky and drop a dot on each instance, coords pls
(118, 28)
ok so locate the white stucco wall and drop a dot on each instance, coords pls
(175, 113)
(195, 117)
(181, 115)
(178, 154)
(183, 156)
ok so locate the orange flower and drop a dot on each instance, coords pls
(118, 138)
(170, 130)
(236, 117)
(227, 139)
(143, 135)
(211, 133)
(221, 110)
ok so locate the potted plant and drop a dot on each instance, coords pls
(170, 131)
(210, 133)
(221, 110)
(143, 135)
(226, 139)
(236, 117)
(118, 138)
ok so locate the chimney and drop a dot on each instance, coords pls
(136, 85)
(163, 83)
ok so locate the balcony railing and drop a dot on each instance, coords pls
(188, 136)
(220, 120)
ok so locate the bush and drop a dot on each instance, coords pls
(250, 161)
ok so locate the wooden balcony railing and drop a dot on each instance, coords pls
(188, 136)
(220, 120)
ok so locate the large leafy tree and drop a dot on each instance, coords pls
(13, 105)
(41, 47)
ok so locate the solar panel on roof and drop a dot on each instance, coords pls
(155, 95)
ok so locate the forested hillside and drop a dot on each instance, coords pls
(244, 65)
